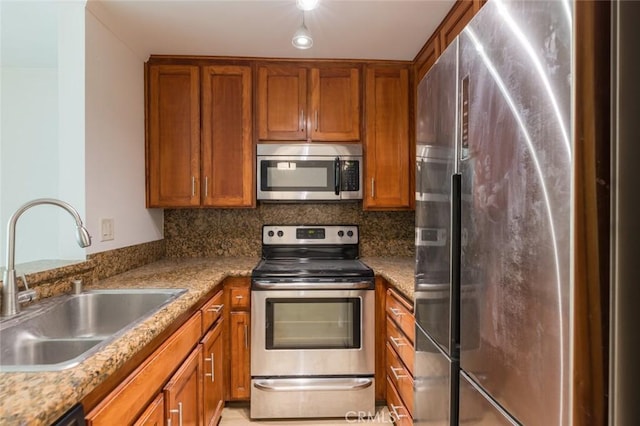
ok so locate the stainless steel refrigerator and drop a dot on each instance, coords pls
(493, 221)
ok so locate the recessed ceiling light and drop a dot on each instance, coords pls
(307, 4)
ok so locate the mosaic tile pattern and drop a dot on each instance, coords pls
(234, 232)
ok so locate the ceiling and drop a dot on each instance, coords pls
(352, 29)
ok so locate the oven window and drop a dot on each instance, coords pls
(313, 323)
(296, 175)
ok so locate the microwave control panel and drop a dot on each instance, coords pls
(350, 176)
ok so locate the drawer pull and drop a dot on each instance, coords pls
(211, 360)
(179, 412)
(216, 308)
(394, 410)
(239, 297)
(397, 341)
(397, 312)
(394, 370)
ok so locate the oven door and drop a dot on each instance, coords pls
(309, 178)
(312, 332)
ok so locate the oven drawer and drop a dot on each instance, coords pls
(312, 397)
(401, 313)
(399, 342)
(400, 377)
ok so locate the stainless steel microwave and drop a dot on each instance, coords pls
(309, 172)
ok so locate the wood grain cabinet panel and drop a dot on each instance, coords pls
(335, 104)
(154, 414)
(282, 102)
(190, 168)
(213, 369)
(302, 103)
(240, 375)
(227, 142)
(173, 142)
(401, 378)
(183, 393)
(387, 180)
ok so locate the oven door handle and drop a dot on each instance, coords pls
(312, 385)
(273, 285)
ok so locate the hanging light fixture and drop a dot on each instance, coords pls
(302, 37)
(307, 4)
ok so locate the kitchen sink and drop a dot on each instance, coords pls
(61, 332)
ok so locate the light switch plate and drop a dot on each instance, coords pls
(106, 229)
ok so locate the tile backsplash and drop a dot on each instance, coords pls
(235, 232)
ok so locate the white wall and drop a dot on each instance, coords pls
(115, 158)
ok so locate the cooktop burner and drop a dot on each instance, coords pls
(310, 251)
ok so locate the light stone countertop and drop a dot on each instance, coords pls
(39, 398)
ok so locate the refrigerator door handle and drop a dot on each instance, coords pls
(456, 248)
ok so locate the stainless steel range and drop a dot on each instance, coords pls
(312, 328)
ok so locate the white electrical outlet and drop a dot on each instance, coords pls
(106, 229)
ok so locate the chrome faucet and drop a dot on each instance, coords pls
(10, 305)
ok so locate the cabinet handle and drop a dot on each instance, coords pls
(239, 297)
(373, 185)
(397, 312)
(397, 341)
(179, 412)
(395, 370)
(301, 123)
(216, 308)
(206, 186)
(394, 410)
(193, 186)
(246, 336)
(211, 360)
(316, 120)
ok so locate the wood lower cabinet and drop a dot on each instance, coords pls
(388, 154)
(303, 103)
(187, 167)
(238, 346)
(154, 414)
(399, 349)
(175, 381)
(213, 367)
(183, 393)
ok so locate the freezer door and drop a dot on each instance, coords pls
(436, 134)
(476, 409)
(515, 160)
(435, 393)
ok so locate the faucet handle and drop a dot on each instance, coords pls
(24, 281)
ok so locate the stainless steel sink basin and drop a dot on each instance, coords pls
(63, 331)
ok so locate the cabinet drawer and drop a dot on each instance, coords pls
(401, 312)
(239, 298)
(399, 412)
(211, 311)
(400, 343)
(400, 377)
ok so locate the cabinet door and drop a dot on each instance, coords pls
(183, 393)
(212, 352)
(388, 164)
(227, 148)
(154, 414)
(240, 375)
(335, 104)
(282, 103)
(173, 139)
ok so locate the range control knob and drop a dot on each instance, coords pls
(349, 234)
(270, 233)
(280, 233)
(340, 233)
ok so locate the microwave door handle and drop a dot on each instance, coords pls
(337, 175)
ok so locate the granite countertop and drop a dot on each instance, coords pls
(39, 398)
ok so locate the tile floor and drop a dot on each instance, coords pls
(238, 415)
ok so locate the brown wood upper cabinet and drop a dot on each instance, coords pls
(297, 103)
(388, 165)
(187, 167)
